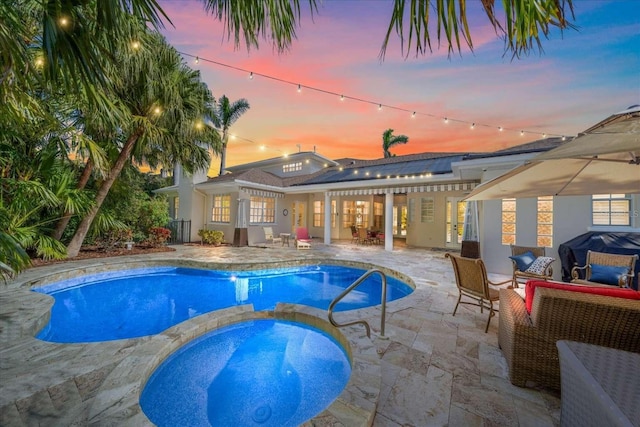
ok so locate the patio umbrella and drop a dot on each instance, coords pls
(603, 159)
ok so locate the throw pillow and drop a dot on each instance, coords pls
(608, 274)
(539, 266)
(523, 261)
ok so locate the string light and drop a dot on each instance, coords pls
(135, 45)
(299, 89)
(197, 61)
(413, 115)
(343, 97)
(500, 129)
(63, 21)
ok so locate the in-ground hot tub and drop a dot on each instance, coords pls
(255, 373)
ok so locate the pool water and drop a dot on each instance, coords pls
(254, 373)
(140, 302)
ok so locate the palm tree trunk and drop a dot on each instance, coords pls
(82, 182)
(223, 158)
(76, 242)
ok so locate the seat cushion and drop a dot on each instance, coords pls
(531, 285)
(523, 261)
(608, 274)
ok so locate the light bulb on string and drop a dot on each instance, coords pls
(413, 115)
(342, 96)
(521, 133)
(473, 126)
(500, 129)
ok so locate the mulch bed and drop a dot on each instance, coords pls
(91, 252)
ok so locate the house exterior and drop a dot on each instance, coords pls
(418, 198)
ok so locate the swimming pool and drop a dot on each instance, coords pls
(145, 301)
(262, 372)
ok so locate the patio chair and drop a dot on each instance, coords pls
(605, 269)
(522, 258)
(354, 234)
(472, 282)
(363, 236)
(268, 235)
(303, 240)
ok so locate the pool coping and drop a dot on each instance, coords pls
(355, 406)
(117, 400)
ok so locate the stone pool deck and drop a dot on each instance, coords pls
(433, 369)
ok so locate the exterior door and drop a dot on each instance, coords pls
(298, 215)
(400, 220)
(454, 217)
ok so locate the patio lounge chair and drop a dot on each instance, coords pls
(268, 235)
(607, 269)
(522, 258)
(472, 282)
(303, 240)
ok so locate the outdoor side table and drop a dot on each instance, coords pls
(600, 386)
(285, 238)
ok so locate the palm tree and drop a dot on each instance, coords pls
(226, 114)
(389, 140)
(162, 102)
(72, 53)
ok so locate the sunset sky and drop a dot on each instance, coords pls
(581, 78)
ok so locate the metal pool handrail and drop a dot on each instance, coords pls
(352, 287)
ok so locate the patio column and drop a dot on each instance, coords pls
(327, 218)
(388, 221)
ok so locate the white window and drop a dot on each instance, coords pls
(427, 209)
(262, 210)
(509, 221)
(334, 210)
(221, 208)
(378, 215)
(318, 213)
(176, 207)
(292, 167)
(355, 212)
(611, 209)
(545, 221)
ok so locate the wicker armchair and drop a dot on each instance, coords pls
(627, 262)
(472, 282)
(523, 276)
(528, 341)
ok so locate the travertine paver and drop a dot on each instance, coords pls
(436, 369)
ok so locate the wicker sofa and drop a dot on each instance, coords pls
(528, 340)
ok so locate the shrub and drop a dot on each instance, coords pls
(158, 236)
(113, 238)
(211, 237)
